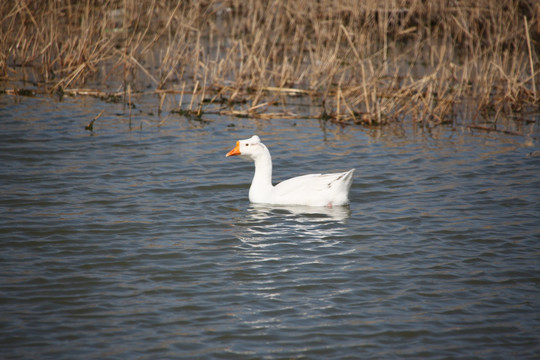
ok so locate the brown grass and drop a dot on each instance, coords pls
(362, 62)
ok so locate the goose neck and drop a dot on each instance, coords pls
(263, 169)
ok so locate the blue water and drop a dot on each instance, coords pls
(137, 241)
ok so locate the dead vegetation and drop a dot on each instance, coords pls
(361, 62)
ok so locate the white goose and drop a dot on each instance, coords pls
(311, 190)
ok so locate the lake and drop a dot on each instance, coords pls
(137, 240)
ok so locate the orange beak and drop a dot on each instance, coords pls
(235, 151)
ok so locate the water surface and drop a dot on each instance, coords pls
(137, 240)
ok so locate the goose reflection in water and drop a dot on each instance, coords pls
(264, 225)
(286, 245)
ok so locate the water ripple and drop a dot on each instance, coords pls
(141, 243)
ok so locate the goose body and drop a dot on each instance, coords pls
(309, 190)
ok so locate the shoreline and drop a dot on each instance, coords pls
(360, 64)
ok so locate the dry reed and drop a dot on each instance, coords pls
(363, 62)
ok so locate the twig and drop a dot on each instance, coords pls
(485, 128)
(286, 90)
(90, 126)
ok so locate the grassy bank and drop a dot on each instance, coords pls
(362, 62)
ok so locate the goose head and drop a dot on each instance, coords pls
(251, 148)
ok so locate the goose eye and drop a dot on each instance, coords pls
(247, 144)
